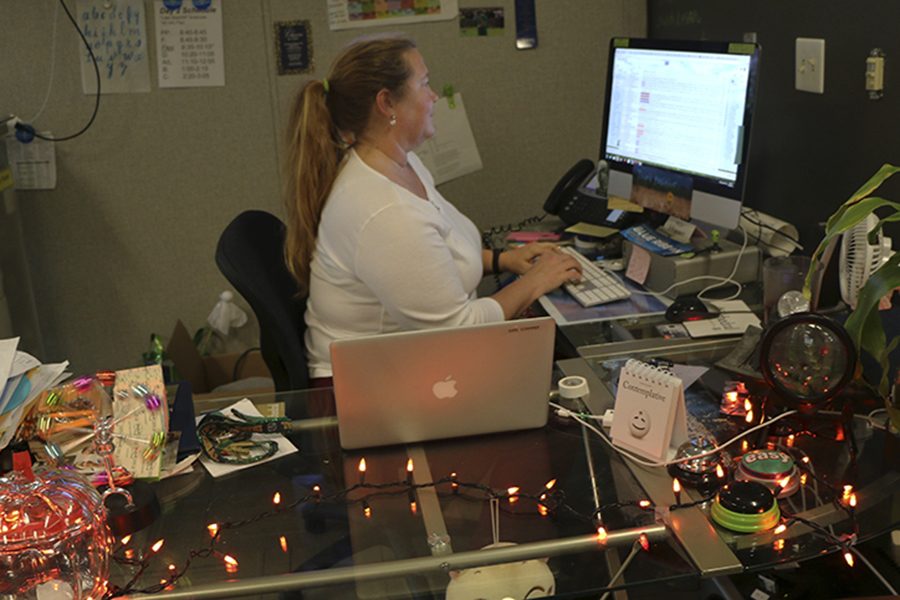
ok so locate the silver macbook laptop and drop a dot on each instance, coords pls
(432, 384)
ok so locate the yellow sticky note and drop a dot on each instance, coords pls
(616, 202)
(6, 179)
(591, 230)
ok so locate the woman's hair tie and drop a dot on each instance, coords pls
(325, 86)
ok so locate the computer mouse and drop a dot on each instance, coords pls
(688, 308)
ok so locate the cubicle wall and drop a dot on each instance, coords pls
(18, 316)
(124, 245)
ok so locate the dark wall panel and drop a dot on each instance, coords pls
(809, 152)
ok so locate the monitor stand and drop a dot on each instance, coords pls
(666, 270)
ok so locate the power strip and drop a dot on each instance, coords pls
(666, 270)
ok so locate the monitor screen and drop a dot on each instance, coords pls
(677, 128)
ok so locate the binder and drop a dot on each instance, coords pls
(650, 418)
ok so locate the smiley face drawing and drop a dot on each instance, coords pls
(640, 424)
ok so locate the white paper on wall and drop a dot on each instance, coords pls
(452, 151)
(189, 45)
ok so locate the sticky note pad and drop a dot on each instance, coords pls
(617, 202)
(597, 231)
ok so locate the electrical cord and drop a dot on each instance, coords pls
(869, 418)
(635, 548)
(876, 411)
(52, 65)
(625, 454)
(875, 571)
(847, 543)
(730, 278)
(28, 130)
(720, 281)
(745, 212)
(770, 246)
(583, 419)
(239, 363)
(487, 236)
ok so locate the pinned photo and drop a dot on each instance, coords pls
(481, 22)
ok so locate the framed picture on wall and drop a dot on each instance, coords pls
(293, 47)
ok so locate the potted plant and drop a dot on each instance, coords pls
(864, 323)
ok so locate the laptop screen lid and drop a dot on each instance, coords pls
(432, 384)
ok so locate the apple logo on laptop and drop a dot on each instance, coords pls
(446, 388)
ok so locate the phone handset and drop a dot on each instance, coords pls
(567, 185)
(580, 197)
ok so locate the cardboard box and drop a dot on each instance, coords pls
(206, 373)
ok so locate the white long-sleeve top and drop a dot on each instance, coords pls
(387, 260)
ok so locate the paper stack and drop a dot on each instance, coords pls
(22, 380)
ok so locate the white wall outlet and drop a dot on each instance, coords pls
(809, 75)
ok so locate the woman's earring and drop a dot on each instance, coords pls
(393, 120)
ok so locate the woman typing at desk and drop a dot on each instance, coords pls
(369, 238)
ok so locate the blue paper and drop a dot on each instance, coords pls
(18, 396)
(651, 240)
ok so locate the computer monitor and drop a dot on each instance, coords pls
(677, 129)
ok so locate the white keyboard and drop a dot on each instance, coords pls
(597, 286)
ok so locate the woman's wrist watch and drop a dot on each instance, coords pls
(495, 260)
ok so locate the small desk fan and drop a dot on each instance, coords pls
(859, 259)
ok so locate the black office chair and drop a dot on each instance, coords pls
(250, 255)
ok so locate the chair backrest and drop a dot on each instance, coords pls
(250, 255)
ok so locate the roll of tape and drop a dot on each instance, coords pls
(585, 244)
(573, 387)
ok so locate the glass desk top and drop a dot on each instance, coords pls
(372, 542)
(832, 451)
(642, 326)
(392, 539)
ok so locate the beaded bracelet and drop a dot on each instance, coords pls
(227, 440)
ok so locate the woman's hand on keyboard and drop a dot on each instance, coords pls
(548, 270)
(552, 269)
(520, 260)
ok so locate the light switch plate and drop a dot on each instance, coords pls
(809, 72)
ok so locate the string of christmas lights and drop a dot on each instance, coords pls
(549, 500)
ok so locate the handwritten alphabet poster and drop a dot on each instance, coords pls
(117, 34)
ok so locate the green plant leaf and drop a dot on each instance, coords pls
(873, 183)
(867, 188)
(873, 235)
(885, 361)
(882, 281)
(895, 416)
(868, 334)
(864, 323)
(858, 212)
(846, 217)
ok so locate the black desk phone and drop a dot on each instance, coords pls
(580, 197)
